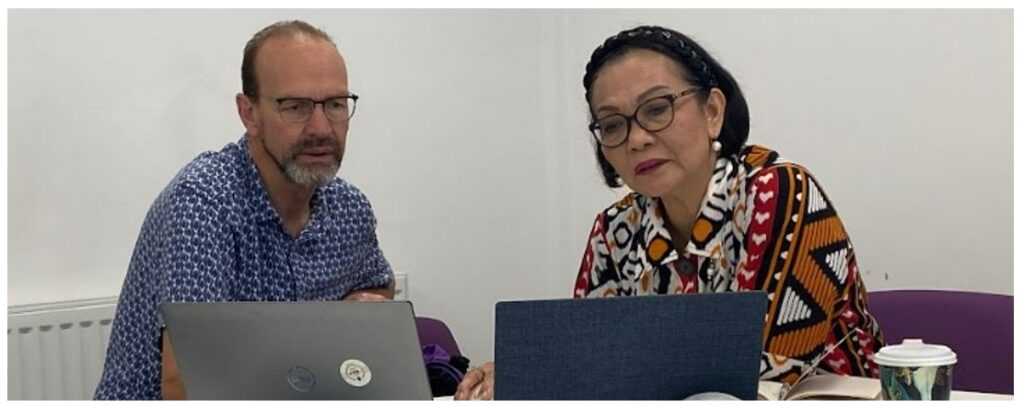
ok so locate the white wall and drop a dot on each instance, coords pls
(470, 137)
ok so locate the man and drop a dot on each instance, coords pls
(263, 219)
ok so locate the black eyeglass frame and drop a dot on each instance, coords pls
(595, 127)
(351, 112)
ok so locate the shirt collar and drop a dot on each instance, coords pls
(722, 176)
(254, 192)
(263, 209)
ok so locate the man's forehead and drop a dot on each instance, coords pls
(293, 64)
(296, 45)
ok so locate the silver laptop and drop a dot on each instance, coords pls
(297, 350)
(660, 347)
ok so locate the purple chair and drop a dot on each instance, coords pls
(977, 326)
(433, 331)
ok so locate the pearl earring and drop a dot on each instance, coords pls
(717, 146)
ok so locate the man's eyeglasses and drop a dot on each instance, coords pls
(298, 110)
(652, 115)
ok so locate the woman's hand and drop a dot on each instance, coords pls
(478, 384)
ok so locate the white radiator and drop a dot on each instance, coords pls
(55, 351)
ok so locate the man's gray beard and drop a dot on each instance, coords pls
(311, 176)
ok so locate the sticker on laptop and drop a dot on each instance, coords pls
(301, 379)
(356, 373)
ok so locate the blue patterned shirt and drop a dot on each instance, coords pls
(213, 235)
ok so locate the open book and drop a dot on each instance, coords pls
(823, 387)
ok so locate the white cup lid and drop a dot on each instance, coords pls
(914, 352)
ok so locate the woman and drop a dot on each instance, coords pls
(711, 214)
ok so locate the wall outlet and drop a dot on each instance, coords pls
(401, 287)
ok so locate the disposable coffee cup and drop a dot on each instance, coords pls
(914, 370)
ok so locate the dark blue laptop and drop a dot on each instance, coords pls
(665, 347)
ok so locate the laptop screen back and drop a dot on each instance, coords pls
(650, 347)
(297, 350)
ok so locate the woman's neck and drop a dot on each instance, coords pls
(682, 206)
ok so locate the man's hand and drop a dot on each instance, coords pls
(478, 384)
(371, 294)
(171, 386)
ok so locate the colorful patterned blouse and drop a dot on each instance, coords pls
(764, 225)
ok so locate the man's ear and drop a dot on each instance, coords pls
(247, 111)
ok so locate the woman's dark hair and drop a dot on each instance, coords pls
(699, 68)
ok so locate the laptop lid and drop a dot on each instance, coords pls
(297, 350)
(664, 347)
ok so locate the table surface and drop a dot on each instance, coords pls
(973, 395)
(954, 395)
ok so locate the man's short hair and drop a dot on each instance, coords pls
(250, 86)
